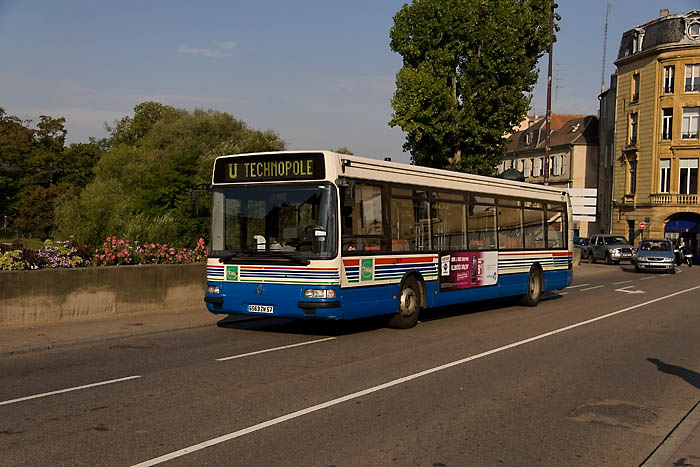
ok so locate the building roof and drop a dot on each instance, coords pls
(582, 129)
(663, 31)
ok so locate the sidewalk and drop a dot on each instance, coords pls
(44, 336)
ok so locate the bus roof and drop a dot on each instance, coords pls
(350, 166)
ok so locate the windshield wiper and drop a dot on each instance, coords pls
(227, 258)
(266, 256)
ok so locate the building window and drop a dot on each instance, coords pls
(669, 73)
(694, 31)
(667, 124)
(635, 87)
(665, 176)
(692, 78)
(633, 127)
(688, 176)
(528, 138)
(632, 188)
(533, 166)
(540, 168)
(562, 164)
(691, 118)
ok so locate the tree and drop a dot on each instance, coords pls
(468, 66)
(16, 143)
(142, 182)
(344, 150)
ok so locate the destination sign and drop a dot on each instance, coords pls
(268, 167)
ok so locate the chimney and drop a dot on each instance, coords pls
(664, 12)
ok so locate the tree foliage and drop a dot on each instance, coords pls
(143, 182)
(467, 68)
(37, 170)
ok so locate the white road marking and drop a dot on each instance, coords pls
(591, 288)
(621, 282)
(624, 289)
(272, 350)
(60, 391)
(405, 379)
(577, 286)
(646, 278)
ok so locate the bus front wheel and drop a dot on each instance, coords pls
(534, 289)
(409, 305)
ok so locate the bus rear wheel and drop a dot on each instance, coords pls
(409, 305)
(534, 289)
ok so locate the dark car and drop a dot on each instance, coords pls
(655, 255)
(609, 248)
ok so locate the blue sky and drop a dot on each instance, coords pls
(319, 73)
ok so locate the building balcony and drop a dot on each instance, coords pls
(673, 199)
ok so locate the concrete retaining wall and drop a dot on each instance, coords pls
(57, 294)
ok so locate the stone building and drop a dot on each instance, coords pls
(653, 160)
(573, 156)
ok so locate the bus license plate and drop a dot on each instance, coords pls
(268, 309)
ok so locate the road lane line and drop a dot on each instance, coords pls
(76, 388)
(591, 288)
(405, 379)
(274, 349)
(621, 282)
(577, 286)
(646, 278)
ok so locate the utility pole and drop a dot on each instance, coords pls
(548, 118)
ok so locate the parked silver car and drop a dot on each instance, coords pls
(655, 255)
(609, 248)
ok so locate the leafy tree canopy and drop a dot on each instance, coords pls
(143, 181)
(36, 170)
(468, 66)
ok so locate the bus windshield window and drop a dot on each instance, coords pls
(287, 218)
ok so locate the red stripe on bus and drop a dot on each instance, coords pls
(420, 259)
(351, 262)
(289, 268)
(385, 261)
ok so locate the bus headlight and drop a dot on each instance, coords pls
(213, 289)
(319, 293)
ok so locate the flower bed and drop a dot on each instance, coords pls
(113, 252)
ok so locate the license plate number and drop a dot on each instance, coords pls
(267, 309)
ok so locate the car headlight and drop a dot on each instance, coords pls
(213, 289)
(319, 293)
(668, 260)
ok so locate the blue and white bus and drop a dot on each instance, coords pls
(316, 234)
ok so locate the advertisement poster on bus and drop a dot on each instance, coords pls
(461, 270)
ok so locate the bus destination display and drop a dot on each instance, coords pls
(269, 167)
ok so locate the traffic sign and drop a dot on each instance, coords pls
(642, 225)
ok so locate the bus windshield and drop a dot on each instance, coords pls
(291, 221)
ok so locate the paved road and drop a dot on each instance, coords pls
(596, 375)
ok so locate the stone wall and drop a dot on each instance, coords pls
(58, 294)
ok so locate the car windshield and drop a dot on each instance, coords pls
(655, 245)
(293, 220)
(616, 241)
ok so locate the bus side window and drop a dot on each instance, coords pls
(363, 223)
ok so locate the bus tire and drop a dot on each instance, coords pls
(534, 288)
(409, 305)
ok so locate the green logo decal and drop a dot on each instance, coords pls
(367, 269)
(231, 273)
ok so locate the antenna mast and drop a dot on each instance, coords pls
(605, 49)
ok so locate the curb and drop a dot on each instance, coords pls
(664, 452)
